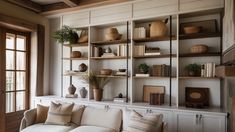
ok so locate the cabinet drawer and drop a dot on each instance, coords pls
(111, 14)
(76, 19)
(152, 8)
(194, 5)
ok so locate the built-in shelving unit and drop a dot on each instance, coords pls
(155, 56)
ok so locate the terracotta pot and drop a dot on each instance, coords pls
(98, 94)
(158, 28)
(72, 89)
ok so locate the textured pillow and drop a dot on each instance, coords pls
(59, 114)
(147, 123)
(77, 114)
(42, 112)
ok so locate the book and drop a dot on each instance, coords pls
(108, 55)
(71, 96)
(154, 53)
(142, 75)
(119, 100)
(121, 73)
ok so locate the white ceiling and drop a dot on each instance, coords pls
(45, 2)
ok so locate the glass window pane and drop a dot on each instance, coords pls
(10, 41)
(20, 80)
(10, 81)
(20, 61)
(20, 42)
(20, 101)
(9, 102)
(10, 60)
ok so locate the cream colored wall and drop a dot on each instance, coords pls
(21, 13)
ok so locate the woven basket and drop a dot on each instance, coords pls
(76, 54)
(106, 72)
(192, 29)
(199, 49)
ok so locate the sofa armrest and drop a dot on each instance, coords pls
(28, 119)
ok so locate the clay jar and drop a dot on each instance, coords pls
(82, 67)
(72, 89)
(158, 28)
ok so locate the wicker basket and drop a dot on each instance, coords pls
(199, 49)
(106, 72)
(76, 54)
(192, 29)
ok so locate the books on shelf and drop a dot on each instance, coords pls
(122, 51)
(142, 75)
(119, 100)
(139, 50)
(108, 55)
(71, 96)
(120, 73)
(142, 50)
(140, 32)
(208, 70)
(161, 70)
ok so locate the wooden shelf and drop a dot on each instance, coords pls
(76, 74)
(109, 42)
(199, 35)
(107, 58)
(153, 77)
(200, 54)
(155, 56)
(188, 77)
(152, 39)
(82, 58)
(76, 45)
(111, 76)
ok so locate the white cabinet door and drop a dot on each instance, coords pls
(114, 13)
(186, 122)
(74, 20)
(153, 8)
(213, 123)
(194, 5)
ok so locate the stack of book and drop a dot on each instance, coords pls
(140, 32)
(108, 55)
(118, 73)
(152, 51)
(142, 75)
(161, 70)
(121, 50)
(139, 50)
(119, 100)
(208, 70)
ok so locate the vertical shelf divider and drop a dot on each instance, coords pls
(170, 85)
(127, 56)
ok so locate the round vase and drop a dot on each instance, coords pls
(83, 92)
(72, 89)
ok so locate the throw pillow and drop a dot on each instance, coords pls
(77, 114)
(42, 112)
(59, 114)
(147, 123)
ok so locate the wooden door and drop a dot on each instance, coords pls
(14, 78)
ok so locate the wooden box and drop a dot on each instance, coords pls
(196, 97)
(225, 71)
(156, 98)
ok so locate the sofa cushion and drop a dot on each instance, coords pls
(77, 114)
(48, 128)
(147, 123)
(41, 113)
(110, 118)
(91, 129)
(59, 114)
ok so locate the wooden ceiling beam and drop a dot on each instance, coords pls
(71, 3)
(27, 4)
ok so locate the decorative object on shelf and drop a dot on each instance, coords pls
(71, 90)
(82, 67)
(158, 28)
(193, 69)
(76, 54)
(207, 26)
(97, 83)
(83, 92)
(107, 50)
(121, 72)
(98, 51)
(83, 36)
(196, 97)
(112, 34)
(66, 34)
(200, 48)
(161, 70)
(208, 70)
(192, 29)
(106, 72)
(225, 71)
(108, 55)
(156, 98)
(152, 51)
(148, 89)
(119, 98)
(143, 68)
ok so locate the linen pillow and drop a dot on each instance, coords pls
(77, 114)
(59, 114)
(147, 123)
(42, 112)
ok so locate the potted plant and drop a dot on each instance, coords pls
(66, 34)
(143, 68)
(97, 83)
(193, 69)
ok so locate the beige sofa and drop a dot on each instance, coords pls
(93, 120)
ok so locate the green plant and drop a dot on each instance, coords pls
(95, 81)
(193, 67)
(66, 34)
(144, 68)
